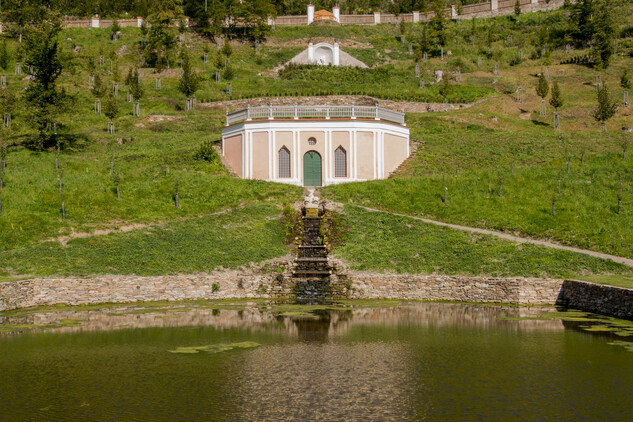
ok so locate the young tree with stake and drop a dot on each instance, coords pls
(557, 102)
(606, 109)
(542, 89)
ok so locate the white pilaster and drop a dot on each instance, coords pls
(310, 13)
(376, 18)
(310, 53)
(453, 11)
(139, 21)
(336, 54)
(95, 21)
(271, 154)
(375, 157)
(494, 4)
(416, 16)
(355, 156)
(336, 11)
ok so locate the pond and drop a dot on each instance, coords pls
(352, 361)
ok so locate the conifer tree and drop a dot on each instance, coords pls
(517, 10)
(188, 84)
(607, 107)
(556, 101)
(4, 56)
(542, 89)
(625, 81)
(604, 34)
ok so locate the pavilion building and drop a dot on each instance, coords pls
(315, 145)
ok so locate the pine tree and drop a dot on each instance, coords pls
(517, 10)
(111, 108)
(606, 107)
(98, 87)
(625, 81)
(43, 98)
(4, 56)
(188, 84)
(604, 34)
(556, 101)
(542, 89)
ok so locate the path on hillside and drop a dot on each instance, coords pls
(620, 260)
(361, 100)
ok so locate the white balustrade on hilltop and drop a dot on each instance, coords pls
(314, 112)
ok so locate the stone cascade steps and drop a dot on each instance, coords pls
(311, 262)
(413, 149)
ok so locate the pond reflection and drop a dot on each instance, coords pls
(351, 361)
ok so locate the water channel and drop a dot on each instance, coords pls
(198, 361)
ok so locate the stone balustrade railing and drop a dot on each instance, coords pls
(296, 112)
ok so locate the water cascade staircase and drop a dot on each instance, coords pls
(312, 271)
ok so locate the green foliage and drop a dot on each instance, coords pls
(517, 9)
(606, 105)
(410, 246)
(230, 240)
(111, 107)
(206, 152)
(557, 99)
(189, 82)
(99, 89)
(44, 99)
(542, 86)
(625, 81)
(604, 34)
(4, 55)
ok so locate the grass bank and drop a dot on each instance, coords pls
(382, 242)
(194, 244)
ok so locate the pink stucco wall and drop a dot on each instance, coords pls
(233, 153)
(395, 152)
(260, 155)
(365, 154)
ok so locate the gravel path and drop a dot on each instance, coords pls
(621, 260)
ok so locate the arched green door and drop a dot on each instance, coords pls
(311, 169)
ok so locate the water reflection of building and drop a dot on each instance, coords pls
(319, 326)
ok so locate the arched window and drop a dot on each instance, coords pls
(340, 162)
(312, 141)
(284, 162)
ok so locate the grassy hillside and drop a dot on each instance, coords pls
(473, 152)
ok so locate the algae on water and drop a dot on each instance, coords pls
(216, 348)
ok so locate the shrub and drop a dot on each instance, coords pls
(206, 152)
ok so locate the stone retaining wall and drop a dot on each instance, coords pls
(350, 284)
(254, 284)
(598, 298)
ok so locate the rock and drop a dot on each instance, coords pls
(439, 74)
(449, 53)
(77, 49)
(69, 39)
(627, 129)
(495, 119)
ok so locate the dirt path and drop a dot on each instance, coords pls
(620, 260)
(362, 100)
(120, 229)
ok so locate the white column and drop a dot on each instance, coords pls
(271, 155)
(250, 155)
(299, 164)
(494, 4)
(376, 18)
(453, 11)
(336, 11)
(310, 13)
(95, 21)
(310, 53)
(336, 54)
(382, 155)
(244, 135)
(375, 156)
(350, 154)
(416, 16)
(139, 21)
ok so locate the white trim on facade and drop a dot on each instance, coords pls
(379, 129)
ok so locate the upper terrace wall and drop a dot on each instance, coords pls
(480, 10)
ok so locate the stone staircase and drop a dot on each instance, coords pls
(413, 149)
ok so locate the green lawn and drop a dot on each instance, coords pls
(382, 242)
(194, 244)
